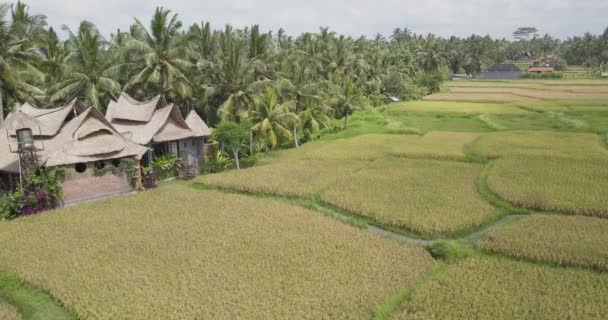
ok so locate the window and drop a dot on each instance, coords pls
(80, 167)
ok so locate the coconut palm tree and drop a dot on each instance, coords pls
(18, 74)
(85, 77)
(344, 100)
(272, 120)
(163, 53)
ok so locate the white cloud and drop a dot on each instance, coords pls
(356, 17)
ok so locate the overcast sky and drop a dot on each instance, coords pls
(498, 18)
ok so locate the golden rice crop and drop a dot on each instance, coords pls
(491, 288)
(180, 253)
(434, 198)
(437, 145)
(8, 312)
(565, 240)
(539, 143)
(455, 107)
(479, 97)
(302, 178)
(555, 185)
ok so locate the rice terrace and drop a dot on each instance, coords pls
(172, 172)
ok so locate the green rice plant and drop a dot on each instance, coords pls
(301, 178)
(563, 240)
(181, 253)
(554, 185)
(488, 121)
(429, 197)
(539, 144)
(455, 107)
(8, 312)
(493, 288)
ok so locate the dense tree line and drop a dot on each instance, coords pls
(285, 86)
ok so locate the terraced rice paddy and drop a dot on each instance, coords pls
(490, 288)
(301, 178)
(414, 195)
(456, 107)
(478, 97)
(436, 145)
(553, 185)
(181, 253)
(563, 240)
(546, 144)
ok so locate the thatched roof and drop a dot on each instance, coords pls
(197, 125)
(43, 122)
(164, 124)
(86, 137)
(127, 108)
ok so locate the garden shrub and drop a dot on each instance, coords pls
(544, 75)
(39, 192)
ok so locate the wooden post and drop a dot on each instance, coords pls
(138, 181)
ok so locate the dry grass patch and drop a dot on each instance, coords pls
(540, 144)
(302, 178)
(430, 197)
(554, 185)
(478, 97)
(490, 288)
(455, 107)
(180, 253)
(564, 240)
(8, 312)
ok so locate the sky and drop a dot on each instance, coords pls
(498, 18)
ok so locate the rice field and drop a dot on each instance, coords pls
(8, 312)
(414, 195)
(435, 145)
(478, 97)
(553, 185)
(181, 253)
(299, 178)
(455, 107)
(491, 288)
(546, 144)
(563, 240)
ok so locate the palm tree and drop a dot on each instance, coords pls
(87, 66)
(163, 54)
(346, 100)
(17, 58)
(430, 57)
(271, 120)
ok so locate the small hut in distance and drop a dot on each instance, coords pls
(502, 71)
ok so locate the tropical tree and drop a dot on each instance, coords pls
(234, 136)
(272, 120)
(85, 78)
(18, 55)
(163, 53)
(344, 100)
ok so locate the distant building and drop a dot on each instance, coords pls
(502, 71)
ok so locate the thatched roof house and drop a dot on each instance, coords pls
(73, 137)
(160, 126)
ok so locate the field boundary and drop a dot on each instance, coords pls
(31, 302)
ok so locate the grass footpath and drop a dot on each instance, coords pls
(28, 303)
